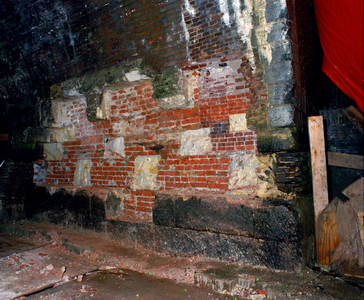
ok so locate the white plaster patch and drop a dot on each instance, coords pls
(82, 175)
(65, 134)
(115, 148)
(245, 25)
(53, 151)
(195, 142)
(238, 122)
(225, 10)
(146, 171)
(187, 35)
(190, 9)
(173, 102)
(135, 76)
(243, 172)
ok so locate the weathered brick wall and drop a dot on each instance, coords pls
(221, 87)
(161, 150)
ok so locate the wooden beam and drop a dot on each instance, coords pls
(355, 117)
(344, 160)
(318, 163)
(319, 174)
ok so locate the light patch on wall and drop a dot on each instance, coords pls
(65, 134)
(225, 10)
(115, 148)
(53, 151)
(245, 25)
(195, 142)
(187, 35)
(243, 173)
(62, 107)
(190, 9)
(82, 176)
(146, 171)
(238, 122)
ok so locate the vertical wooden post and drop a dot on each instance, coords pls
(319, 170)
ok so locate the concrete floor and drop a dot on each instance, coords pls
(39, 261)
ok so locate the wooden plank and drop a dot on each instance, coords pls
(319, 172)
(328, 238)
(355, 117)
(318, 164)
(344, 160)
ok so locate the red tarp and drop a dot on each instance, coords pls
(340, 26)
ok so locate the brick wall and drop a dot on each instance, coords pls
(225, 61)
(148, 131)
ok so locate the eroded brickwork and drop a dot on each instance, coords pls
(162, 150)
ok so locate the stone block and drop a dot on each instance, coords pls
(278, 72)
(281, 51)
(53, 151)
(214, 215)
(146, 170)
(283, 139)
(278, 32)
(243, 171)
(184, 242)
(281, 116)
(65, 134)
(240, 248)
(280, 255)
(275, 10)
(195, 142)
(82, 175)
(278, 223)
(114, 205)
(132, 234)
(163, 211)
(281, 93)
(238, 122)
(37, 135)
(115, 148)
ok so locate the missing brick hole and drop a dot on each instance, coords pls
(157, 148)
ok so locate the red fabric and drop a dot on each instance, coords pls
(340, 26)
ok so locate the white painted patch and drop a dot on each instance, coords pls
(245, 26)
(116, 147)
(238, 122)
(146, 171)
(53, 151)
(187, 34)
(82, 176)
(135, 76)
(225, 10)
(190, 9)
(195, 142)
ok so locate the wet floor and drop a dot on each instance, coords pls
(43, 267)
(128, 285)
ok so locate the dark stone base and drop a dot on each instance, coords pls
(252, 232)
